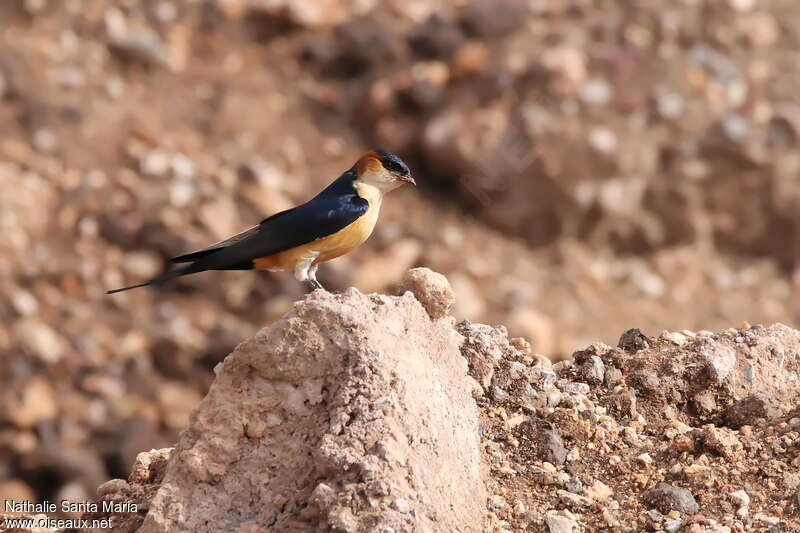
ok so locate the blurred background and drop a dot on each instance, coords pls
(585, 167)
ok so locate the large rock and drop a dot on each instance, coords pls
(351, 413)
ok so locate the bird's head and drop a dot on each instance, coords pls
(383, 170)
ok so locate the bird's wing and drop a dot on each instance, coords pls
(216, 246)
(330, 211)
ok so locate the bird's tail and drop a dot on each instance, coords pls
(174, 273)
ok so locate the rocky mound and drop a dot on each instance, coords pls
(365, 413)
(353, 413)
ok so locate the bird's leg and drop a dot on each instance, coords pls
(312, 278)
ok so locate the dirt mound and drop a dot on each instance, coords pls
(358, 413)
(353, 413)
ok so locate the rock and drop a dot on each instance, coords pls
(720, 359)
(431, 289)
(545, 441)
(150, 466)
(561, 524)
(612, 376)
(666, 497)
(721, 441)
(24, 302)
(142, 45)
(346, 374)
(749, 410)
(111, 487)
(633, 340)
(592, 371)
(599, 491)
(437, 37)
(40, 340)
(33, 403)
(142, 264)
(486, 18)
(739, 498)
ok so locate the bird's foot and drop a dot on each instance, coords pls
(315, 284)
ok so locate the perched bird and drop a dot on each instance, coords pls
(329, 225)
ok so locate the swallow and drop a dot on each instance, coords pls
(329, 225)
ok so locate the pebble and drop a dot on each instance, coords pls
(402, 506)
(596, 92)
(599, 491)
(24, 302)
(603, 139)
(667, 497)
(41, 340)
(44, 140)
(671, 105)
(576, 500)
(431, 289)
(156, 163)
(561, 524)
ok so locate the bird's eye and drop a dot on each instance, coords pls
(392, 166)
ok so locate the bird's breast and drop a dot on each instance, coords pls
(350, 236)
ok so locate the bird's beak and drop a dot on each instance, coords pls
(408, 179)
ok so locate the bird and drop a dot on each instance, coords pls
(335, 221)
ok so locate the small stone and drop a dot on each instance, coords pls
(143, 45)
(666, 497)
(574, 485)
(739, 498)
(40, 340)
(672, 526)
(749, 410)
(767, 519)
(721, 441)
(554, 398)
(44, 140)
(612, 377)
(705, 402)
(35, 403)
(155, 163)
(599, 491)
(181, 193)
(431, 289)
(561, 524)
(735, 126)
(596, 92)
(592, 371)
(603, 139)
(142, 264)
(633, 340)
(401, 505)
(323, 496)
(573, 499)
(674, 337)
(24, 302)
(671, 105)
(182, 166)
(720, 359)
(743, 6)
(342, 519)
(111, 487)
(684, 443)
(545, 439)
